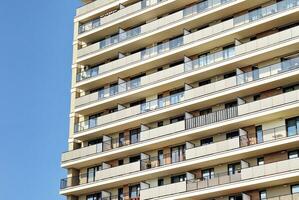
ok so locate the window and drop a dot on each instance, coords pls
(255, 73)
(228, 51)
(234, 168)
(136, 103)
(208, 173)
(232, 135)
(120, 162)
(255, 14)
(238, 197)
(256, 97)
(97, 196)
(260, 161)
(91, 173)
(263, 195)
(206, 141)
(177, 153)
(292, 126)
(175, 95)
(134, 191)
(231, 104)
(134, 158)
(93, 119)
(205, 112)
(135, 81)
(120, 194)
(178, 178)
(177, 119)
(229, 75)
(134, 135)
(259, 134)
(160, 123)
(93, 142)
(291, 88)
(121, 139)
(113, 89)
(160, 158)
(202, 83)
(160, 181)
(295, 189)
(112, 110)
(293, 154)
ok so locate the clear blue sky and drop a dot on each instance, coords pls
(35, 67)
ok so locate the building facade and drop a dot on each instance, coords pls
(184, 99)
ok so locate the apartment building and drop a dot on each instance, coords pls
(184, 99)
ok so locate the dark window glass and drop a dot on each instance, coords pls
(120, 194)
(234, 168)
(259, 134)
(231, 104)
(229, 75)
(120, 162)
(232, 135)
(206, 141)
(112, 110)
(238, 197)
(177, 119)
(208, 173)
(292, 126)
(178, 178)
(136, 103)
(293, 154)
(202, 83)
(160, 182)
(91, 173)
(177, 153)
(134, 135)
(160, 157)
(93, 119)
(160, 123)
(97, 196)
(257, 97)
(291, 88)
(134, 191)
(96, 141)
(113, 89)
(260, 161)
(263, 195)
(205, 112)
(121, 139)
(295, 189)
(134, 159)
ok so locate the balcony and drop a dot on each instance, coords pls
(232, 25)
(217, 87)
(200, 187)
(138, 171)
(87, 102)
(92, 6)
(200, 63)
(117, 171)
(150, 27)
(129, 10)
(215, 147)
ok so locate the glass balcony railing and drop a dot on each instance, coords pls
(162, 102)
(120, 37)
(268, 71)
(265, 11)
(151, 162)
(139, 6)
(210, 58)
(237, 21)
(161, 48)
